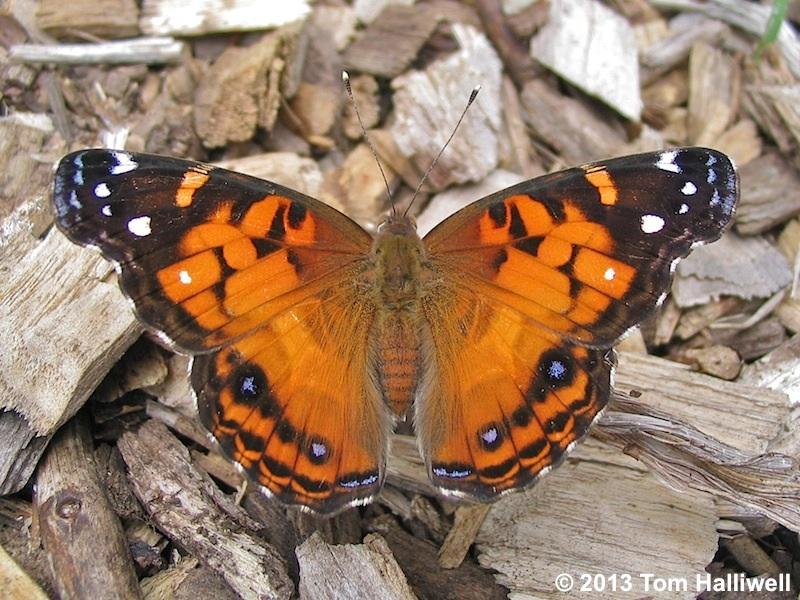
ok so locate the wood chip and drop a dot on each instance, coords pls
(63, 306)
(685, 30)
(153, 51)
(711, 92)
(175, 17)
(228, 99)
(425, 110)
(594, 48)
(351, 571)
(101, 18)
(710, 273)
(73, 514)
(764, 202)
(467, 522)
(404, 29)
(719, 361)
(188, 508)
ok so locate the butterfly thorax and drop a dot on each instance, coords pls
(399, 259)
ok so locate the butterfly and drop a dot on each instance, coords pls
(311, 337)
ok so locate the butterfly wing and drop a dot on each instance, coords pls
(534, 285)
(264, 284)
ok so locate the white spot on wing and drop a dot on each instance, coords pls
(77, 178)
(106, 210)
(185, 277)
(124, 164)
(101, 190)
(666, 161)
(712, 176)
(689, 189)
(652, 223)
(140, 226)
(609, 274)
(683, 209)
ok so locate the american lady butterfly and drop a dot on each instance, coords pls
(310, 336)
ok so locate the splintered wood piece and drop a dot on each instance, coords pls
(569, 125)
(61, 322)
(364, 191)
(17, 584)
(765, 199)
(710, 273)
(564, 524)
(101, 18)
(369, 10)
(146, 51)
(231, 100)
(191, 511)
(176, 17)
(516, 149)
(80, 533)
(742, 142)
(712, 80)
(594, 48)
(317, 107)
(426, 110)
(789, 244)
(686, 459)
(404, 29)
(669, 52)
(467, 522)
(20, 451)
(745, 417)
(341, 21)
(350, 571)
(780, 370)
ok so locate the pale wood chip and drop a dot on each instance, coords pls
(17, 584)
(176, 17)
(467, 522)
(351, 571)
(712, 77)
(154, 50)
(717, 269)
(764, 201)
(594, 48)
(425, 111)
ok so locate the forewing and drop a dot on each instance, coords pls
(589, 252)
(206, 255)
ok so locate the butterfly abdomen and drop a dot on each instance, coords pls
(398, 254)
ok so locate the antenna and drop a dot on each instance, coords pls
(472, 97)
(346, 80)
